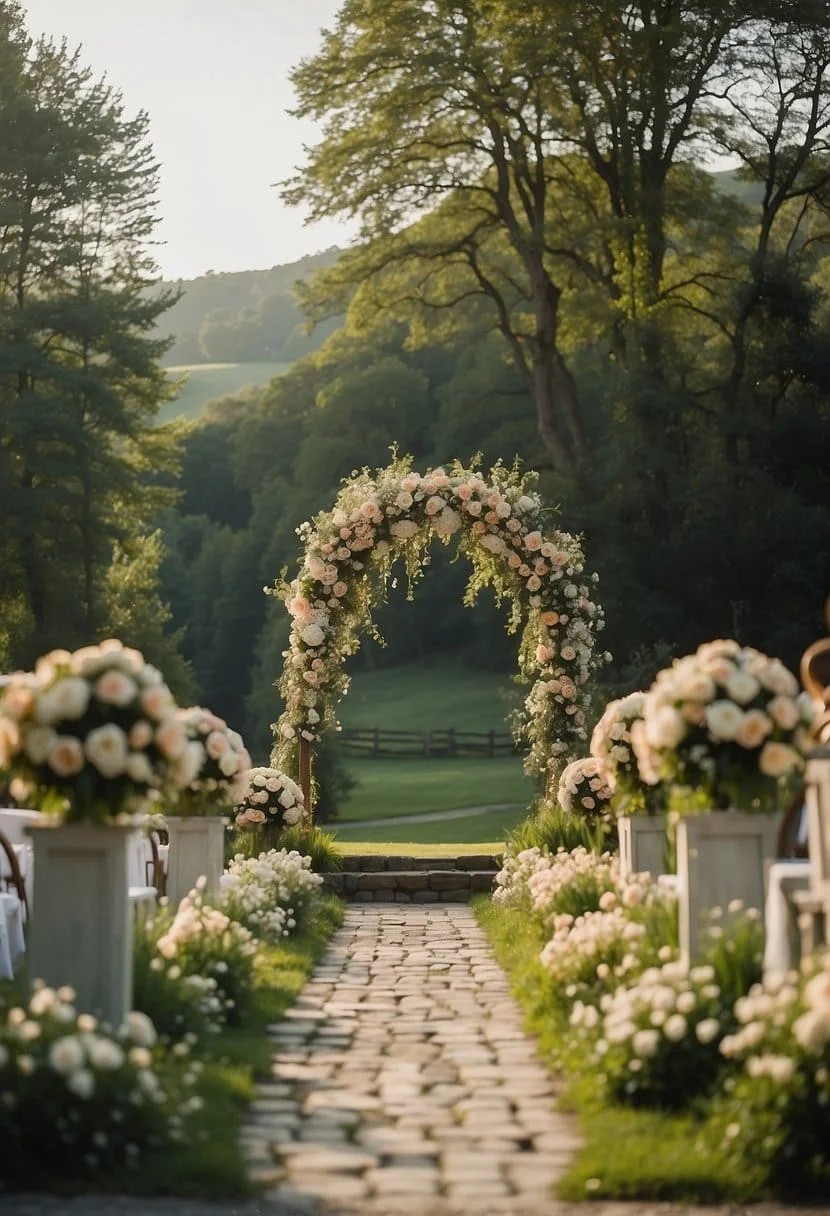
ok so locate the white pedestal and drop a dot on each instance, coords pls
(81, 926)
(197, 847)
(642, 844)
(721, 856)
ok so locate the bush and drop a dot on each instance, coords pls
(179, 1003)
(270, 894)
(79, 1099)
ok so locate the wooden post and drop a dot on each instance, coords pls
(305, 781)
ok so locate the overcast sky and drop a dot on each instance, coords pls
(213, 76)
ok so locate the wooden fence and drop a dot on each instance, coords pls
(432, 744)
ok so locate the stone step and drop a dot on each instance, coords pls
(410, 886)
(364, 863)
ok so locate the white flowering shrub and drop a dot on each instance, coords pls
(270, 801)
(773, 1115)
(270, 893)
(654, 1041)
(202, 940)
(727, 722)
(571, 882)
(79, 1100)
(182, 1005)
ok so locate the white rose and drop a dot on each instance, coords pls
(115, 688)
(448, 522)
(67, 700)
(39, 742)
(664, 728)
(228, 764)
(103, 1054)
(81, 1083)
(66, 1055)
(404, 529)
(724, 719)
(291, 816)
(675, 1027)
(778, 759)
(493, 543)
(742, 687)
(66, 757)
(106, 748)
(313, 635)
(754, 729)
(138, 768)
(784, 712)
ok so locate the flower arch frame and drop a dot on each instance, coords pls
(498, 522)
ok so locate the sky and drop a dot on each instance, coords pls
(213, 76)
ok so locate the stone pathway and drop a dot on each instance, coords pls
(402, 1083)
(402, 1080)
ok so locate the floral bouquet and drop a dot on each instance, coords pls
(91, 734)
(611, 744)
(215, 766)
(271, 800)
(728, 721)
(586, 788)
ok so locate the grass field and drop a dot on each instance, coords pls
(431, 698)
(410, 787)
(209, 381)
(486, 832)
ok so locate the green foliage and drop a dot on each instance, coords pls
(82, 470)
(550, 828)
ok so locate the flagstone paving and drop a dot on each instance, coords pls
(401, 1082)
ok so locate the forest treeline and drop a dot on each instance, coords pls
(243, 316)
(547, 270)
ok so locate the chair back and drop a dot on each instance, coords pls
(10, 873)
(13, 821)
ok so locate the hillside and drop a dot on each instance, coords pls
(243, 316)
(204, 382)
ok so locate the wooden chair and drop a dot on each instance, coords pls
(10, 873)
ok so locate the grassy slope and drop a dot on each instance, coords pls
(419, 698)
(210, 381)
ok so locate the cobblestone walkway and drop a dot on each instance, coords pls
(402, 1080)
(401, 1083)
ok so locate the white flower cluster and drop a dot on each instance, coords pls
(499, 521)
(784, 1022)
(270, 797)
(114, 1099)
(564, 871)
(647, 1030)
(582, 945)
(267, 892)
(586, 787)
(195, 921)
(98, 724)
(512, 879)
(217, 761)
(725, 706)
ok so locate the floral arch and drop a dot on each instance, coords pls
(498, 522)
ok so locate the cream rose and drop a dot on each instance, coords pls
(106, 749)
(754, 729)
(313, 635)
(778, 759)
(66, 757)
(724, 719)
(67, 700)
(115, 688)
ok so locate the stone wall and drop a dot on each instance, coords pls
(422, 880)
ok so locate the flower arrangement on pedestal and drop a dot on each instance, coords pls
(271, 800)
(726, 722)
(91, 733)
(612, 745)
(501, 526)
(215, 764)
(586, 788)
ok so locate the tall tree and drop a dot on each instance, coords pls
(80, 381)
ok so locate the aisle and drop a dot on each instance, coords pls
(402, 1080)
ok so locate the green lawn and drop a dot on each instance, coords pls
(485, 832)
(407, 787)
(429, 698)
(209, 381)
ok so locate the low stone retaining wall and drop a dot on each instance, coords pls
(422, 880)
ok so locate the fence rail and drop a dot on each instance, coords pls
(431, 744)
